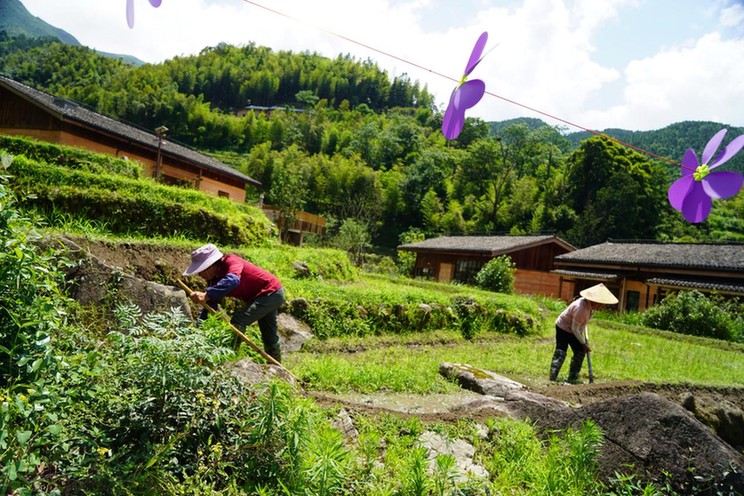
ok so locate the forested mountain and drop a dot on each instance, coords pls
(16, 20)
(367, 151)
(672, 141)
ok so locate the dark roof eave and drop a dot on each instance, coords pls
(416, 247)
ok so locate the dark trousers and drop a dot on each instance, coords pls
(262, 310)
(565, 339)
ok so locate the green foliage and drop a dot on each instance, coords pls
(70, 157)
(31, 313)
(353, 237)
(326, 464)
(31, 300)
(407, 259)
(618, 193)
(497, 275)
(138, 205)
(691, 312)
(470, 315)
(370, 148)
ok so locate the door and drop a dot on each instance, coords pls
(445, 272)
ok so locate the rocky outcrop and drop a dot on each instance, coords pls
(92, 282)
(644, 434)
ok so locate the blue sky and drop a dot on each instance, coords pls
(596, 64)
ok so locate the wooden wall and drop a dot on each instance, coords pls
(535, 282)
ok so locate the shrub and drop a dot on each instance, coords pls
(30, 315)
(497, 275)
(691, 312)
(128, 205)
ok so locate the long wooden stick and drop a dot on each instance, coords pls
(237, 332)
(589, 359)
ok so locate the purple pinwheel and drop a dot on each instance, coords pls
(692, 193)
(130, 10)
(466, 94)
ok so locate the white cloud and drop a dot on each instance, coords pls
(552, 55)
(700, 82)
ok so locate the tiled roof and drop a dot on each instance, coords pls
(708, 285)
(728, 257)
(590, 274)
(492, 245)
(69, 110)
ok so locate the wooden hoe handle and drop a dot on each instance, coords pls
(237, 332)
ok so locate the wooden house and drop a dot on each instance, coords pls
(28, 112)
(460, 258)
(641, 274)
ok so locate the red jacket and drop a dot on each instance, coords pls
(238, 278)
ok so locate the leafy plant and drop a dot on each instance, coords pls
(30, 315)
(691, 312)
(497, 275)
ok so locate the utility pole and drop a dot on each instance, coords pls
(160, 131)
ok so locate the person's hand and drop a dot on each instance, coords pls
(587, 349)
(198, 296)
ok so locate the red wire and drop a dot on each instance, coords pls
(513, 102)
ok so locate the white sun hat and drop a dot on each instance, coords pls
(203, 258)
(599, 294)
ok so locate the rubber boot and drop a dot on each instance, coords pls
(576, 362)
(557, 363)
(275, 352)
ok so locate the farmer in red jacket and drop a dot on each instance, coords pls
(230, 275)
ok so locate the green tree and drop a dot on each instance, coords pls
(616, 192)
(353, 237)
(287, 191)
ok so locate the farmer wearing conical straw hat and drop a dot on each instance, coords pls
(570, 329)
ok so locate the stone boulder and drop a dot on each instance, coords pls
(292, 332)
(652, 434)
(250, 372)
(644, 434)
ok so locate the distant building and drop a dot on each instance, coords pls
(460, 258)
(642, 274)
(306, 223)
(25, 111)
(266, 110)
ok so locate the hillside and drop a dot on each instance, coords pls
(352, 145)
(16, 20)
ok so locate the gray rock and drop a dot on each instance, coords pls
(344, 423)
(251, 372)
(644, 434)
(478, 380)
(292, 332)
(462, 451)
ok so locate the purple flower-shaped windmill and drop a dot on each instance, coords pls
(692, 194)
(130, 10)
(466, 94)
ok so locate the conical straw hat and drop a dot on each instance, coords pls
(599, 294)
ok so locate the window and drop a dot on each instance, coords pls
(423, 272)
(466, 270)
(223, 194)
(632, 299)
